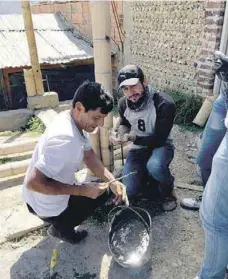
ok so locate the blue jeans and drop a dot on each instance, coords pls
(214, 215)
(149, 166)
(212, 137)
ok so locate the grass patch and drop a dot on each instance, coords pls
(34, 125)
(187, 106)
(191, 127)
(4, 160)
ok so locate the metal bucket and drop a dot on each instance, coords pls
(130, 236)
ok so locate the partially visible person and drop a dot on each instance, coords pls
(146, 119)
(212, 136)
(50, 189)
(214, 206)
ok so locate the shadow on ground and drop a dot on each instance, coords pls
(176, 253)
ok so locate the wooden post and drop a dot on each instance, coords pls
(29, 82)
(204, 112)
(7, 85)
(26, 11)
(103, 67)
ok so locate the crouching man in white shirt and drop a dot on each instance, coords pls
(50, 189)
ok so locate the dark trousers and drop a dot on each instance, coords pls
(151, 167)
(78, 209)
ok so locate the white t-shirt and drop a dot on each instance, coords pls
(58, 155)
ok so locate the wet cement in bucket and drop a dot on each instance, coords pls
(129, 242)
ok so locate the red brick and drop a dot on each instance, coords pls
(215, 5)
(206, 67)
(78, 6)
(78, 18)
(44, 8)
(35, 9)
(205, 74)
(213, 13)
(69, 7)
(85, 10)
(206, 86)
(203, 80)
(51, 8)
(119, 7)
(215, 30)
(212, 21)
(58, 7)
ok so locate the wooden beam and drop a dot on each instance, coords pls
(189, 186)
(100, 15)
(26, 11)
(29, 82)
(7, 85)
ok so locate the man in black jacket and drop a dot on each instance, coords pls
(146, 119)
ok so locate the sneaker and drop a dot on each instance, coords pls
(170, 203)
(191, 203)
(70, 237)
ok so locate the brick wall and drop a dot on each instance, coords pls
(174, 42)
(79, 13)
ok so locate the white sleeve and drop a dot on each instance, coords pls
(54, 156)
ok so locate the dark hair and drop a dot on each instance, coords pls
(92, 95)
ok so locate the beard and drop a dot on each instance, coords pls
(142, 101)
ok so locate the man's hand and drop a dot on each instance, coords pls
(119, 190)
(93, 190)
(131, 137)
(117, 138)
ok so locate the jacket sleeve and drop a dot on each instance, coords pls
(165, 110)
(121, 108)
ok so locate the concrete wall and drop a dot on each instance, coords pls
(12, 120)
(174, 42)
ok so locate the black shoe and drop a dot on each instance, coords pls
(169, 204)
(70, 237)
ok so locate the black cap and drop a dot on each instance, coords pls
(130, 75)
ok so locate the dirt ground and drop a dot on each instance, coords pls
(177, 239)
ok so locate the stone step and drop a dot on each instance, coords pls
(13, 168)
(15, 220)
(16, 157)
(17, 147)
(11, 181)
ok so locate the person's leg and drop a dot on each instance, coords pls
(214, 215)
(215, 255)
(136, 161)
(79, 209)
(212, 136)
(158, 169)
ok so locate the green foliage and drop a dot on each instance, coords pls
(35, 125)
(187, 106)
(4, 161)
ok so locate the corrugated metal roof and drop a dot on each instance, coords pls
(57, 41)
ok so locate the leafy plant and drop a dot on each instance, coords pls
(35, 125)
(187, 106)
(4, 161)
